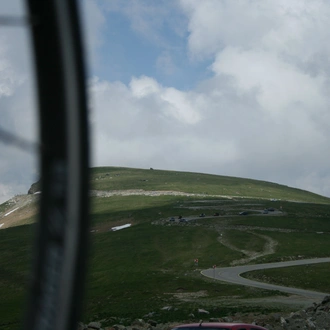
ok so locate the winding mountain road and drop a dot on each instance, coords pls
(232, 275)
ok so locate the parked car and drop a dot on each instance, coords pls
(183, 220)
(271, 209)
(202, 215)
(218, 326)
(172, 219)
(243, 213)
(216, 214)
(265, 212)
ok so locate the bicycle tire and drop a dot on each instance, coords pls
(62, 234)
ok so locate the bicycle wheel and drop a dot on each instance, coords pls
(60, 249)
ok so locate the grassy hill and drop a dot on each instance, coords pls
(118, 178)
(143, 269)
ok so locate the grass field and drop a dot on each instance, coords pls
(306, 277)
(142, 269)
(15, 257)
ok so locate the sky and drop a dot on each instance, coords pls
(237, 88)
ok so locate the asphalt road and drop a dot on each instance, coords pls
(232, 275)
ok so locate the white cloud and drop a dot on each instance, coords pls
(314, 181)
(150, 19)
(185, 107)
(5, 192)
(165, 64)
(273, 80)
(12, 8)
(262, 114)
(294, 28)
(144, 87)
(143, 113)
(214, 24)
(17, 106)
(93, 25)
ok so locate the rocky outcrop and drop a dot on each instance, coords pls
(315, 317)
(138, 324)
(35, 187)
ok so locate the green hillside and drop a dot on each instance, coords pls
(149, 268)
(118, 178)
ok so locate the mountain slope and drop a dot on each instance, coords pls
(150, 264)
(119, 178)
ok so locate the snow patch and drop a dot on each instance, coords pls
(121, 227)
(1, 224)
(11, 211)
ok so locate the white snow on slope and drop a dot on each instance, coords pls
(121, 227)
(11, 211)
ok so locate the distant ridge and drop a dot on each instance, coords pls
(124, 178)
